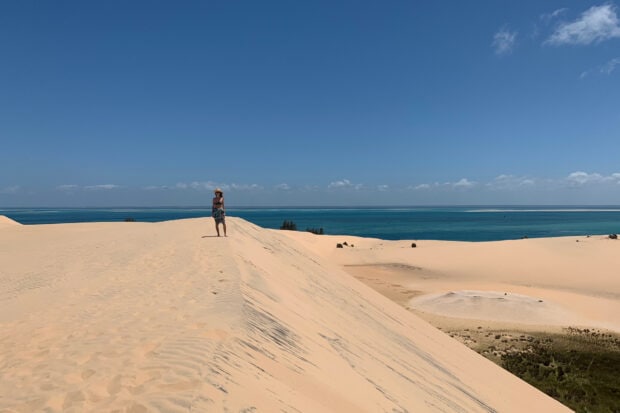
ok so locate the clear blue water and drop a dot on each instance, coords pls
(415, 223)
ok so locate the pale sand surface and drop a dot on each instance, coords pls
(7, 222)
(136, 317)
(538, 283)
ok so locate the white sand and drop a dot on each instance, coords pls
(142, 317)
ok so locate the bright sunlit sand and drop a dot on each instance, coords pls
(6, 222)
(167, 317)
(563, 281)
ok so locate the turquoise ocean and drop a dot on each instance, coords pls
(474, 223)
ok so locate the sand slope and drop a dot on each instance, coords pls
(566, 281)
(165, 317)
(7, 222)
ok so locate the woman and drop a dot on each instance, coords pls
(218, 212)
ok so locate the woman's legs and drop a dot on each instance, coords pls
(217, 227)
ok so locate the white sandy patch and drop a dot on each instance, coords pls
(495, 305)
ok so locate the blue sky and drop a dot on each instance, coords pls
(309, 103)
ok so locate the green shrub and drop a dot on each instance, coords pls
(289, 225)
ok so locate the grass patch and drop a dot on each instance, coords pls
(580, 369)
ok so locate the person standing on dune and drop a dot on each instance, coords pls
(218, 211)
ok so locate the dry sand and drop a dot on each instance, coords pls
(548, 282)
(7, 222)
(136, 317)
(497, 298)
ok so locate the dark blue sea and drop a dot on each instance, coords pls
(415, 223)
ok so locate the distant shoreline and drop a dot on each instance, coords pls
(489, 207)
(463, 223)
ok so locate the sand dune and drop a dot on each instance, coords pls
(575, 277)
(7, 222)
(143, 317)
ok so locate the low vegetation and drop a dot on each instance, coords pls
(579, 369)
(291, 226)
(288, 225)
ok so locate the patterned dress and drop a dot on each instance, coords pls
(217, 210)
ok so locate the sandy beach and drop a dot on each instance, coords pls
(137, 317)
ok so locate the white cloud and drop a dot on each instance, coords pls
(383, 188)
(207, 186)
(198, 186)
(464, 183)
(344, 184)
(582, 178)
(610, 66)
(210, 186)
(547, 17)
(159, 188)
(461, 184)
(504, 41)
(101, 187)
(245, 187)
(10, 190)
(595, 25)
(71, 187)
(606, 69)
(283, 187)
(506, 182)
(67, 187)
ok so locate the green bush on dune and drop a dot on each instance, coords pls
(291, 226)
(288, 225)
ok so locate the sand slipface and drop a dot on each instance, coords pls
(167, 317)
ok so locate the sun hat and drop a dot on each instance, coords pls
(218, 190)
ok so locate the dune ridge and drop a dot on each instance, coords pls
(164, 316)
(7, 222)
